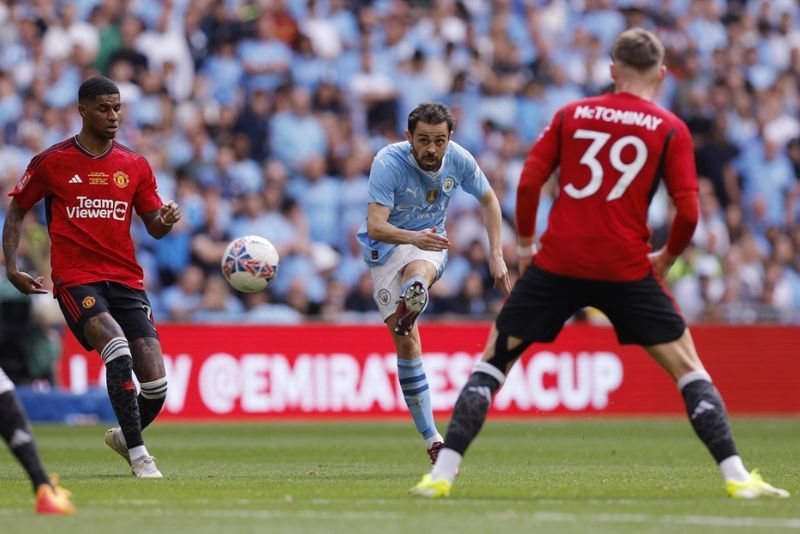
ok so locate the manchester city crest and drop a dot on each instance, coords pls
(448, 184)
(384, 297)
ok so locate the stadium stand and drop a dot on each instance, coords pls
(262, 117)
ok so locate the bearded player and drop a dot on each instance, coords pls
(91, 184)
(405, 245)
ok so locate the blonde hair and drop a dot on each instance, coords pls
(638, 49)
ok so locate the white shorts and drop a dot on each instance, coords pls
(5, 383)
(387, 279)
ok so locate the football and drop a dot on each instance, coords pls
(250, 263)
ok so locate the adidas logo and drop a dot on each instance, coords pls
(75, 180)
(19, 438)
(702, 406)
(483, 391)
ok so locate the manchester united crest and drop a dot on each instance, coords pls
(121, 179)
(88, 302)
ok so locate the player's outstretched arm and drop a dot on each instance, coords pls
(380, 229)
(493, 219)
(12, 234)
(159, 222)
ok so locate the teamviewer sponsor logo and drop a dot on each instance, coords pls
(98, 208)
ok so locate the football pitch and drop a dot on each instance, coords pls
(568, 475)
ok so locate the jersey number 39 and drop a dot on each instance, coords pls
(629, 170)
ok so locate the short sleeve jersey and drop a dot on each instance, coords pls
(418, 199)
(612, 151)
(88, 202)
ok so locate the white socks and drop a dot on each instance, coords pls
(137, 452)
(433, 439)
(732, 468)
(446, 466)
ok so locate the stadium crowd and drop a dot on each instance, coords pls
(262, 117)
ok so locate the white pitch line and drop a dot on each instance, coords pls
(735, 521)
(693, 520)
(510, 515)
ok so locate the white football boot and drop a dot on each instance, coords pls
(116, 440)
(145, 467)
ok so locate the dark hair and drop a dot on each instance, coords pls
(96, 86)
(431, 113)
(638, 49)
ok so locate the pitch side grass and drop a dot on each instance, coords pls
(573, 475)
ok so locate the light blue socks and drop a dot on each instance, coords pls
(417, 395)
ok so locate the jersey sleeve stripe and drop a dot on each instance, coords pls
(560, 133)
(660, 167)
(41, 157)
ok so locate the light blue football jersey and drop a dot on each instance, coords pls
(418, 198)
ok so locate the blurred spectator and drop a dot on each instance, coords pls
(360, 298)
(295, 135)
(130, 29)
(30, 342)
(210, 239)
(218, 305)
(225, 73)
(711, 234)
(265, 57)
(767, 186)
(263, 118)
(319, 196)
(715, 156)
(252, 123)
(182, 300)
(261, 310)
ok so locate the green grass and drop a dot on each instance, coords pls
(545, 476)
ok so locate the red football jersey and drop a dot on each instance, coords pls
(88, 204)
(612, 151)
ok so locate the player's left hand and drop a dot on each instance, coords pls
(497, 266)
(170, 213)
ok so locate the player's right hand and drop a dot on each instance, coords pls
(430, 240)
(661, 261)
(25, 283)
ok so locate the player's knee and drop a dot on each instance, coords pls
(504, 355)
(155, 389)
(100, 328)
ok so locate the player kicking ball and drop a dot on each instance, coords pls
(611, 150)
(405, 244)
(91, 185)
(51, 499)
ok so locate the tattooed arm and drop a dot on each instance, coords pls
(12, 234)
